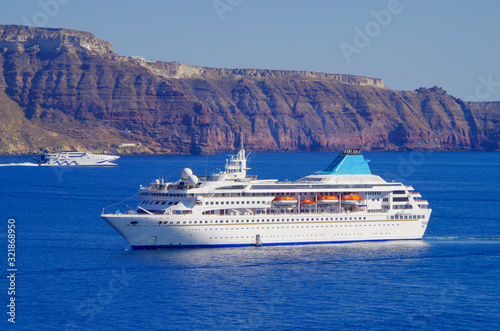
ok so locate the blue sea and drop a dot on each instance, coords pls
(74, 272)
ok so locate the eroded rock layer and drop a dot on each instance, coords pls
(64, 88)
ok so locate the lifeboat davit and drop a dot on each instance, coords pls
(285, 201)
(351, 198)
(327, 199)
(308, 202)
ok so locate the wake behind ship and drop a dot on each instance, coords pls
(344, 202)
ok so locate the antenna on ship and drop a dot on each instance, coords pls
(242, 140)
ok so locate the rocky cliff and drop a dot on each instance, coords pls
(63, 88)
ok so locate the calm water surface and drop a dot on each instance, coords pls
(76, 273)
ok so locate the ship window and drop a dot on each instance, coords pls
(175, 203)
(392, 217)
(163, 202)
(232, 202)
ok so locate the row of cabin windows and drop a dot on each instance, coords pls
(275, 194)
(397, 217)
(272, 220)
(227, 195)
(249, 202)
(145, 202)
(402, 207)
(177, 195)
(233, 202)
(407, 217)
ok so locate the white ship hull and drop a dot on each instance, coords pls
(230, 208)
(156, 231)
(69, 158)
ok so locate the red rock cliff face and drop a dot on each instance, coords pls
(72, 84)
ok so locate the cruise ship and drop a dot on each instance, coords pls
(344, 202)
(72, 158)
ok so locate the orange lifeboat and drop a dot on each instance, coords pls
(327, 199)
(308, 202)
(285, 201)
(351, 198)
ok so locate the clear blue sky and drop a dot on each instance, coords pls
(454, 44)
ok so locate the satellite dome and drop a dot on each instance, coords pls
(192, 180)
(186, 173)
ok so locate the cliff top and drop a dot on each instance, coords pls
(19, 37)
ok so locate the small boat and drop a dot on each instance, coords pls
(351, 198)
(308, 202)
(327, 199)
(72, 158)
(285, 201)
